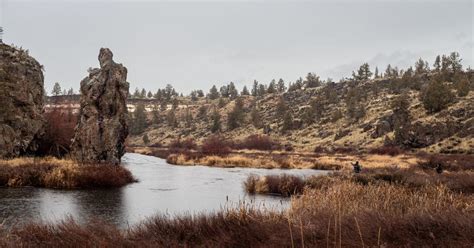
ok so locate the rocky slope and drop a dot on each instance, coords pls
(331, 124)
(21, 101)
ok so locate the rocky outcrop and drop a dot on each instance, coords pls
(21, 101)
(102, 126)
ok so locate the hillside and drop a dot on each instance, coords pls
(345, 115)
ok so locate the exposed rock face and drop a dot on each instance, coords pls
(102, 126)
(21, 101)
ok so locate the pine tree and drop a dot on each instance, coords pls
(216, 121)
(236, 116)
(255, 88)
(463, 86)
(245, 91)
(224, 90)
(139, 119)
(421, 67)
(287, 122)
(437, 64)
(376, 73)
(143, 94)
(255, 118)
(437, 96)
(56, 89)
(363, 73)
(155, 114)
(401, 118)
(213, 93)
(261, 90)
(145, 139)
(455, 62)
(188, 118)
(233, 93)
(312, 81)
(70, 92)
(171, 118)
(281, 108)
(281, 88)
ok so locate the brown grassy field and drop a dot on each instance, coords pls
(342, 214)
(59, 173)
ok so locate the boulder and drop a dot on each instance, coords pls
(21, 101)
(102, 126)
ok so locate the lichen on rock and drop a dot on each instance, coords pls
(21, 101)
(102, 126)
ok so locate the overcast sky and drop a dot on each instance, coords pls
(195, 44)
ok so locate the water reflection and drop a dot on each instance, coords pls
(163, 189)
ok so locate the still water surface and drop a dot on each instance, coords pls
(162, 189)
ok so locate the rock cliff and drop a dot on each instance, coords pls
(102, 126)
(21, 101)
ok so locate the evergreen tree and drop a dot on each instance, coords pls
(388, 71)
(221, 103)
(281, 88)
(421, 67)
(143, 94)
(155, 113)
(200, 93)
(271, 87)
(216, 121)
(463, 86)
(233, 93)
(281, 108)
(401, 118)
(56, 89)
(437, 64)
(145, 139)
(213, 93)
(298, 85)
(255, 88)
(261, 90)
(171, 118)
(70, 92)
(202, 112)
(376, 73)
(363, 73)
(224, 90)
(245, 91)
(312, 81)
(287, 122)
(455, 62)
(255, 118)
(236, 116)
(139, 119)
(163, 106)
(193, 96)
(188, 118)
(437, 96)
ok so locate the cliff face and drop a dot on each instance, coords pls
(102, 127)
(21, 101)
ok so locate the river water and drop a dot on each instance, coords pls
(162, 189)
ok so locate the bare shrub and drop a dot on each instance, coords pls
(215, 145)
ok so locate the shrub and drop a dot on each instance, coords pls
(59, 132)
(436, 97)
(179, 145)
(215, 145)
(285, 185)
(259, 142)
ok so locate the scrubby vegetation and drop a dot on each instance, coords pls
(341, 214)
(62, 174)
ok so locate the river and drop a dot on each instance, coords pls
(162, 189)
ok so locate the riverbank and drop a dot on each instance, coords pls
(343, 214)
(61, 174)
(282, 159)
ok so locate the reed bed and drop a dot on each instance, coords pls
(343, 214)
(63, 174)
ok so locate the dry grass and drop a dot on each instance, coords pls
(64, 174)
(342, 214)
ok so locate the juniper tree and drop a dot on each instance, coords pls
(463, 86)
(145, 139)
(143, 94)
(245, 91)
(437, 64)
(139, 121)
(213, 93)
(233, 92)
(281, 108)
(261, 90)
(255, 118)
(281, 88)
(312, 80)
(455, 62)
(271, 87)
(254, 90)
(149, 94)
(363, 73)
(171, 118)
(421, 67)
(237, 115)
(436, 96)
(287, 122)
(376, 73)
(216, 121)
(56, 89)
(401, 117)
